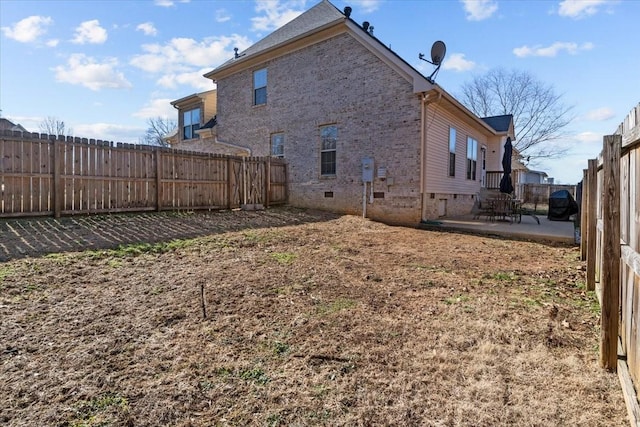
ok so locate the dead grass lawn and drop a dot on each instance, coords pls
(334, 321)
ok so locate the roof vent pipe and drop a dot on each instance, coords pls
(371, 30)
(347, 11)
(236, 56)
(365, 25)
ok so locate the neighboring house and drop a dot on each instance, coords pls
(363, 132)
(196, 129)
(533, 177)
(8, 125)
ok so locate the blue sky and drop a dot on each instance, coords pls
(106, 67)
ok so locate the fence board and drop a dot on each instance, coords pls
(3, 183)
(611, 244)
(616, 232)
(10, 168)
(44, 176)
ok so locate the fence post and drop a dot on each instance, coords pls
(58, 187)
(592, 220)
(244, 181)
(159, 193)
(267, 182)
(610, 276)
(583, 216)
(229, 187)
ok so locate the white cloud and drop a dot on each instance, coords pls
(168, 3)
(478, 10)
(194, 79)
(183, 54)
(365, 6)
(147, 28)
(552, 50)
(276, 13)
(599, 115)
(160, 107)
(222, 15)
(90, 32)
(29, 29)
(588, 138)
(109, 132)
(580, 8)
(85, 71)
(52, 42)
(457, 62)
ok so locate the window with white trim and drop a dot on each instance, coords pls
(472, 158)
(260, 87)
(452, 151)
(328, 138)
(190, 123)
(277, 145)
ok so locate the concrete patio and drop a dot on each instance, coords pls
(528, 228)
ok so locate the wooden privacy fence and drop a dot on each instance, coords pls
(611, 245)
(42, 175)
(528, 192)
(540, 193)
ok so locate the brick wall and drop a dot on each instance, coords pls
(337, 81)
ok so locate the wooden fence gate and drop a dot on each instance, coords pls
(41, 175)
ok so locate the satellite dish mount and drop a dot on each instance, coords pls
(438, 50)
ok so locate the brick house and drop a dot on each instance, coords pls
(196, 129)
(363, 131)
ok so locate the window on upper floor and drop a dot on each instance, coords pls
(328, 138)
(452, 151)
(472, 158)
(277, 145)
(260, 87)
(190, 123)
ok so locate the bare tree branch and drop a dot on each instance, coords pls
(540, 117)
(54, 126)
(158, 129)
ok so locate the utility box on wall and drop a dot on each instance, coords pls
(367, 169)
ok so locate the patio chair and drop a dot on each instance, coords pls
(481, 206)
(503, 207)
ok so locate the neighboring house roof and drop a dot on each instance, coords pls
(499, 123)
(9, 125)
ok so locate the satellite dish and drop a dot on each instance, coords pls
(438, 50)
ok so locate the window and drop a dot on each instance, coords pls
(260, 87)
(277, 145)
(190, 123)
(328, 136)
(452, 151)
(472, 158)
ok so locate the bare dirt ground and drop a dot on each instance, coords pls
(311, 319)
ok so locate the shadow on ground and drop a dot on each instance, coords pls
(21, 238)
